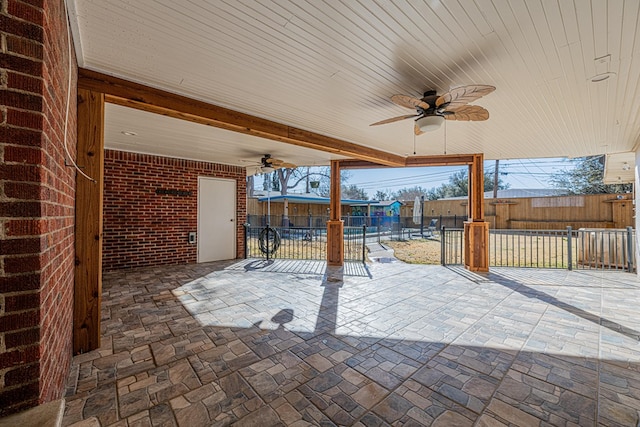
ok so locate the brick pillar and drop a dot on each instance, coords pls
(37, 195)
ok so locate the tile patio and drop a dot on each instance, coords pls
(295, 344)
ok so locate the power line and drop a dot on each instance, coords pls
(527, 169)
(513, 169)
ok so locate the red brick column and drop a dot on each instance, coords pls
(36, 203)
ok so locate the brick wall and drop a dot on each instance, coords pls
(36, 203)
(142, 228)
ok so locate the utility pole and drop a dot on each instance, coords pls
(495, 180)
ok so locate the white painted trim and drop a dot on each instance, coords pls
(636, 185)
(72, 16)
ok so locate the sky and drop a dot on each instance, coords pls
(519, 174)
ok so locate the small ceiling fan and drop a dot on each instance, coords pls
(269, 164)
(268, 161)
(433, 109)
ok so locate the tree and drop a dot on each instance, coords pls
(266, 178)
(275, 182)
(435, 194)
(587, 178)
(458, 185)
(381, 195)
(324, 175)
(251, 185)
(409, 193)
(353, 192)
(285, 179)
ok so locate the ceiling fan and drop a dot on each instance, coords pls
(269, 164)
(433, 109)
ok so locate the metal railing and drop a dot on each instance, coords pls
(611, 249)
(386, 223)
(530, 248)
(451, 246)
(304, 243)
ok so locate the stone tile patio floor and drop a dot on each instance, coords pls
(292, 343)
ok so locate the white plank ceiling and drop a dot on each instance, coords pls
(331, 67)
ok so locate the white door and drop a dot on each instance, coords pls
(216, 219)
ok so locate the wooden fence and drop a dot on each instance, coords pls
(530, 213)
(542, 213)
(254, 207)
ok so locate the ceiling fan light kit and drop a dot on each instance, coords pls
(430, 123)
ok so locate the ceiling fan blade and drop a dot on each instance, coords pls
(460, 96)
(416, 129)
(466, 113)
(278, 163)
(409, 102)
(273, 161)
(393, 119)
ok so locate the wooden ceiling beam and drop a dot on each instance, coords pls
(441, 160)
(414, 161)
(142, 97)
(359, 164)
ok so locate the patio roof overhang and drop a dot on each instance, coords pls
(565, 73)
(141, 97)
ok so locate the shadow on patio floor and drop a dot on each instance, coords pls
(216, 344)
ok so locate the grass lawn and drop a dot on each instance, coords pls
(505, 250)
(416, 251)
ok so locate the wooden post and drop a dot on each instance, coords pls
(502, 215)
(335, 226)
(476, 229)
(622, 216)
(88, 270)
(495, 179)
(476, 189)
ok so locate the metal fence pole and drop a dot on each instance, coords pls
(569, 248)
(267, 242)
(630, 245)
(442, 247)
(364, 244)
(246, 239)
